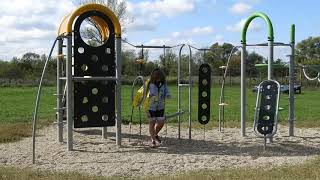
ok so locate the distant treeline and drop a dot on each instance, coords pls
(27, 69)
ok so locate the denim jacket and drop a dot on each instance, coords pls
(157, 96)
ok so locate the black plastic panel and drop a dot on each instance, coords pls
(94, 101)
(268, 107)
(204, 94)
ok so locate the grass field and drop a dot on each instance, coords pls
(17, 104)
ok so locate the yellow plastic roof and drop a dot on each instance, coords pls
(67, 22)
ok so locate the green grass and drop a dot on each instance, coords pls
(26, 174)
(17, 104)
(309, 170)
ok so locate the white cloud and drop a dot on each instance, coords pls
(30, 26)
(241, 8)
(147, 13)
(165, 7)
(238, 26)
(197, 31)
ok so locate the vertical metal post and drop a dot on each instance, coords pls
(69, 103)
(59, 90)
(104, 132)
(270, 70)
(190, 91)
(243, 90)
(118, 91)
(164, 55)
(291, 83)
(270, 61)
(179, 80)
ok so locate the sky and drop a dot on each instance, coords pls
(31, 25)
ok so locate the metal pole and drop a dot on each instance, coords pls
(291, 83)
(243, 90)
(36, 108)
(164, 55)
(104, 132)
(118, 91)
(270, 61)
(190, 90)
(179, 80)
(270, 70)
(69, 103)
(59, 90)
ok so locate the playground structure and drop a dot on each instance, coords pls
(89, 70)
(271, 44)
(92, 76)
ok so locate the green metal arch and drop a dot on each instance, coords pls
(249, 20)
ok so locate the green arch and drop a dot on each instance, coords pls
(249, 20)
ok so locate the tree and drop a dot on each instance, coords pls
(29, 61)
(218, 56)
(168, 61)
(92, 33)
(308, 51)
(253, 59)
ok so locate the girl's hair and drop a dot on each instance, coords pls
(156, 74)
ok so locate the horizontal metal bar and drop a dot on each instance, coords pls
(185, 85)
(63, 108)
(153, 47)
(90, 78)
(63, 122)
(266, 44)
(62, 78)
(204, 49)
(58, 94)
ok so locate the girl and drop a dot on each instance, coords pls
(158, 92)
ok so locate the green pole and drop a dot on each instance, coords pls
(292, 34)
(252, 17)
(243, 63)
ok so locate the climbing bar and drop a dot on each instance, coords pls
(88, 78)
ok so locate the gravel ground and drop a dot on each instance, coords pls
(96, 156)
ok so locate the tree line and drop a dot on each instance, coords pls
(28, 68)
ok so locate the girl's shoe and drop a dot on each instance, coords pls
(153, 144)
(158, 139)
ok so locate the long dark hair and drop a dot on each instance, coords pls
(156, 74)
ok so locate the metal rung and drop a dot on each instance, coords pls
(63, 78)
(223, 104)
(223, 67)
(90, 78)
(63, 122)
(61, 55)
(58, 94)
(63, 108)
(186, 85)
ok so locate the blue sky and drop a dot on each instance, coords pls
(31, 25)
